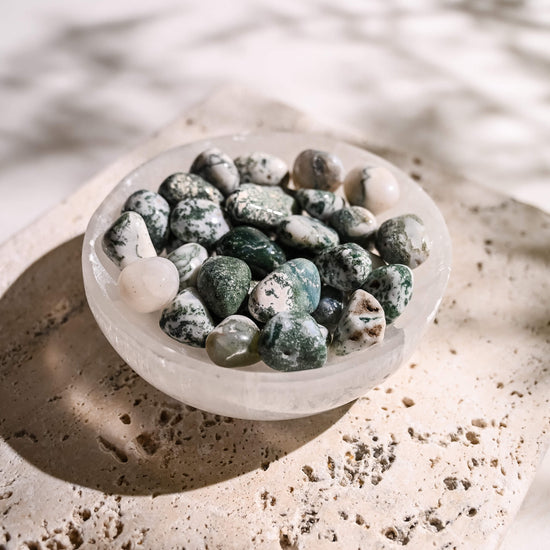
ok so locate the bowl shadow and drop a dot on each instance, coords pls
(70, 406)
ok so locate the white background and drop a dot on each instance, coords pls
(464, 83)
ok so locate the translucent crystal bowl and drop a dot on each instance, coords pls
(257, 392)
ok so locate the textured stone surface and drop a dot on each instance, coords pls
(91, 451)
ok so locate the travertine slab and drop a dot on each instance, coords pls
(440, 456)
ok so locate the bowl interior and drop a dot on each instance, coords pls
(258, 392)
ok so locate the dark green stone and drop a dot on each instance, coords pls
(292, 341)
(318, 203)
(253, 247)
(223, 284)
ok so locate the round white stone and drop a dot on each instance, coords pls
(372, 187)
(148, 284)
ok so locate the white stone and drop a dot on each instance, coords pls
(148, 284)
(372, 187)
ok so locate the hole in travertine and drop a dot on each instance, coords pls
(390, 533)
(308, 470)
(125, 419)
(472, 512)
(408, 402)
(479, 423)
(473, 438)
(148, 443)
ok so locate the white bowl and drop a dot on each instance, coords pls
(258, 392)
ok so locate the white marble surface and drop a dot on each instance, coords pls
(466, 84)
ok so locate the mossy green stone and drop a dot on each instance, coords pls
(402, 240)
(223, 284)
(253, 247)
(181, 185)
(354, 224)
(318, 203)
(392, 286)
(293, 341)
(188, 258)
(306, 233)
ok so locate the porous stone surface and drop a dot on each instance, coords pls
(91, 456)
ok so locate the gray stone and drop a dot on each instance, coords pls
(317, 170)
(218, 169)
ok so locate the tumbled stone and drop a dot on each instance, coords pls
(403, 240)
(344, 267)
(253, 247)
(261, 206)
(148, 284)
(317, 170)
(155, 212)
(127, 240)
(186, 319)
(362, 324)
(199, 221)
(223, 284)
(330, 307)
(218, 169)
(372, 187)
(234, 342)
(294, 286)
(318, 203)
(305, 233)
(188, 259)
(392, 286)
(354, 224)
(182, 185)
(292, 341)
(262, 169)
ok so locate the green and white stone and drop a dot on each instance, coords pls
(293, 341)
(262, 169)
(187, 319)
(261, 206)
(223, 284)
(234, 342)
(253, 247)
(127, 240)
(294, 286)
(155, 211)
(188, 258)
(362, 324)
(344, 267)
(403, 240)
(218, 169)
(318, 203)
(392, 286)
(330, 308)
(354, 224)
(317, 170)
(372, 187)
(305, 233)
(182, 185)
(198, 221)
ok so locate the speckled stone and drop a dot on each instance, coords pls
(253, 247)
(182, 185)
(330, 308)
(261, 206)
(344, 267)
(318, 203)
(392, 286)
(354, 224)
(234, 342)
(218, 169)
(223, 284)
(187, 319)
(127, 240)
(317, 170)
(305, 233)
(403, 240)
(199, 221)
(294, 286)
(362, 324)
(372, 187)
(188, 258)
(292, 341)
(262, 169)
(155, 212)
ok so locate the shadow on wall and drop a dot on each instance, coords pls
(71, 407)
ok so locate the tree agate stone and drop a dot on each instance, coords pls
(223, 284)
(392, 286)
(262, 169)
(218, 169)
(354, 224)
(253, 247)
(317, 170)
(330, 307)
(181, 186)
(402, 240)
(318, 203)
(305, 233)
(187, 319)
(188, 258)
(292, 341)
